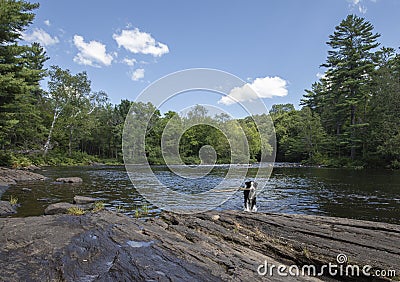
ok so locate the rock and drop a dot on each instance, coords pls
(12, 176)
(84, 200)
(30, 167)
(69, 180)
(107, 246)
(58, 208)
(97, 164)
(26, 189)
(215, 217)
(62, 208)
(6, 208)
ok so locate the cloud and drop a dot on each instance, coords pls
(93, 53)
(362, 9)
(40, 36)
(358, 4)
(137, 42)
(129, 62)
(47, 22)
(266, 87)
(137, 74)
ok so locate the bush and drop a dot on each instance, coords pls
(20, 161)
(395, 164)
(5, 158)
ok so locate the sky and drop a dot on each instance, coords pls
(277, 47)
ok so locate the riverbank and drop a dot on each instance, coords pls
(213, 246)
(12, 176)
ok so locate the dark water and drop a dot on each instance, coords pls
(361, 194)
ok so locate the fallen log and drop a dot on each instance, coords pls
(211, 246)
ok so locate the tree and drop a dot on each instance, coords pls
(341, 97)
(71, 101)
(384, 114)
(351, 63)
(21, 69)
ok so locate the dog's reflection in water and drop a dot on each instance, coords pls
(250, 196)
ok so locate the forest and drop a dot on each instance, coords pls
(349, 117)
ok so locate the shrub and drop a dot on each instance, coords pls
(13, 200)
(5, 158)
(98, 206)
(75, 211)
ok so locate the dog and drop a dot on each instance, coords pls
(250, 196)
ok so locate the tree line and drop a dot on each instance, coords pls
(348, 117)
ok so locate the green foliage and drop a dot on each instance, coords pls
(21, 69)
(98, 206)
(350, 117)
(5, 158)
(19, 161)
(13, 200)
(75, 211)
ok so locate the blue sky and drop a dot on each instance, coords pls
(126, 45)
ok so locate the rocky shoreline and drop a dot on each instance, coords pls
(212, 246)
(12, 176)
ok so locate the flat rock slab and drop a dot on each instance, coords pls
(6, 208)
(84, 200)
(213, 246)
(63, 207)
(69, 180)
(12, 176)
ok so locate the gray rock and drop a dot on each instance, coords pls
(97, 164)
(12, 176)
(58, 208)
(69, 180)
(6, 208)
(108, 246)
(83, 200)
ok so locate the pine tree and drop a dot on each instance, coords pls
(21, 69)
(342, 96)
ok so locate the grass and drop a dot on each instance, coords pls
(13, 200)
(120, 209)
(142, 211)
(75, 211)
(98, 206)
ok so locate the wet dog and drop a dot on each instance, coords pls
(250, 196)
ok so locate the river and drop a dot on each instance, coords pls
(368, 194)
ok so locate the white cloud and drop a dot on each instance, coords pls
(136, 42)
(40, 36)
(129, 62)
(137, 74)
(362, 9)
(266, 87)
(47, 22)
(358, 4)
(92, 53)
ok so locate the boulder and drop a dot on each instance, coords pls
(6, 208)
(12, 176)
(58, 208)
(69, 180)
(84, 200)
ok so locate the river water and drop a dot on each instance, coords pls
(360, 194)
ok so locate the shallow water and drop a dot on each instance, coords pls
(361, 194)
